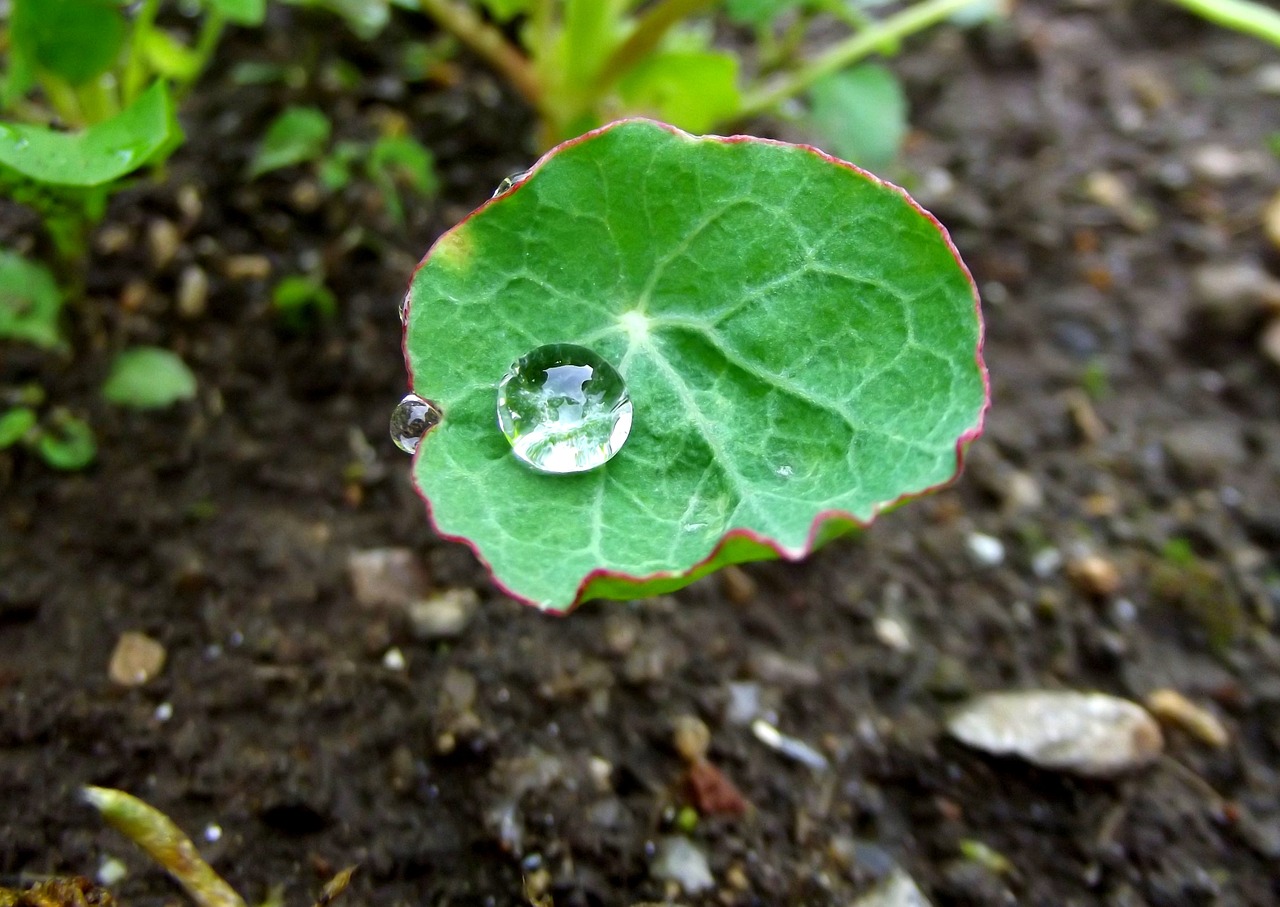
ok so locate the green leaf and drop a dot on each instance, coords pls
(66, 442)
(106, 151)
(15, 424)
(300, 302)
(297, 135)
(659, 85)
(76, 40)
(169, 57)
(29, 302)
(861, 114)
(148, 377)
(241, 12)
(397, 162)
(800, 341)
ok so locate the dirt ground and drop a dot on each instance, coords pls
(1104, 168)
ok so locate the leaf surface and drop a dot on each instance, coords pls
(800, 341)
(104, 152)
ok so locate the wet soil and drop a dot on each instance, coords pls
(1095, 162)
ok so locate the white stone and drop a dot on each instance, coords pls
(1089, 734)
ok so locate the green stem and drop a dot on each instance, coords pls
(135, 68)
(489, 44)
(206, 43)
(894, 28)
(1242, 15)
(649, 31)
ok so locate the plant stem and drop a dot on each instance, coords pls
(488, 43)
(649, 31)
(135, 71)
(206, 43)
(1242, 15)
(894, 28)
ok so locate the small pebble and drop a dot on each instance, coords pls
(1090, 734)
(113, 238)
(443, 616)
(1176, 710)
(164, 240)
(711, 791)
(892, 634)
(394, 660)
(190, 203)
(738, 585)
(386, 577)
(247, 267)
(1231, 295)
(986, 550)
(744, 703)
(1085, 418)
(111, 871)
(1221, 164)
(193, 292)
(1269, 342)
(679, 860)
(692, 738)
(1271, 221)
(1094, 575)
(1045, 562)
(790, 747)
(137, 659)
(134, 294)
(1021, 493)
(898, 890)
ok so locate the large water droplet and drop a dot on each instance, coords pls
(511, 182)
(564, 409)
(412, 418)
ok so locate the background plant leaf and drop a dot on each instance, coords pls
(148, 377)
(30, 302)
(296, 136)
(76, 40)
(106, 151)
(800, 341)
(861, 113)
(659, 84)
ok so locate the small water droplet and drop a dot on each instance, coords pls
(564, 409)
(404, 310)
(511, 182)
(124, 156)
(22, 143)
(784, 471)
(412, 418)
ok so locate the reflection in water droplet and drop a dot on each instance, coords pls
(564, 409)
(511, 182)
(412, 418)
(124, 156)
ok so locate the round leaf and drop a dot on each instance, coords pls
(801, 343)
(148, 377)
